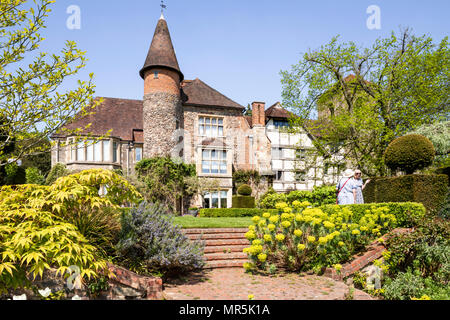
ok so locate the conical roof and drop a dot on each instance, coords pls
(161, 52)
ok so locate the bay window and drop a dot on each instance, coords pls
(215, 199)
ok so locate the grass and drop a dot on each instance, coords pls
(190, 222)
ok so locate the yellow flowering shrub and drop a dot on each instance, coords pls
(300, 237)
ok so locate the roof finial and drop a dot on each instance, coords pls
(163, 6)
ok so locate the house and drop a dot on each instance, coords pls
(192, 122)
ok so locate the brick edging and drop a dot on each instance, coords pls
(151, 287)
(375, 251)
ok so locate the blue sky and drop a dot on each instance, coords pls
(237, 47)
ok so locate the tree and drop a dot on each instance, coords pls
(366, 97)
(248, 110)
(31, 106)
(439, 135)
(165, 181)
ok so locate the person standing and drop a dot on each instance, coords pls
(358, 186)
(344, 188)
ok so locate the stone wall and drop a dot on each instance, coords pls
(162, 117)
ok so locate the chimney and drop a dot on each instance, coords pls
(258, 113)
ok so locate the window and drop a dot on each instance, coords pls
(214, 161)
(210, 127)
(88, 151)
(280, 123)
(216, 199)
(300, 153)
(279, 175)
(277, 153)
(156, 75)
(138, 153)
(106, 151)
(300, 176)
(115, 147)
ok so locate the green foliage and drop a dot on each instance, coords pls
(41, 160)
(246, 177)
(149, 242)
(165, 182)
(270, 200)
(409, 153)
(319, 196)
(34, 176)
(15, 175)
(34, 239)
(29, 91)
(59, 170)
(439, 135)
(430, 190)
(76, 199)
(419, 262)
(243, 202)
(244, 190)
(391, 79)
(304, 238)
(233, 212)
(407, 213)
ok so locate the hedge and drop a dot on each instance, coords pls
(234, 212)
(243, 202)
(405, 212)
(430, 190)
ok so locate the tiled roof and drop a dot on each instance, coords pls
(198, 93)
(161, 52)
(121, 115)
(277, 111)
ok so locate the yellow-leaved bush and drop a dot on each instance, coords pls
(58, 226)
(300, 237)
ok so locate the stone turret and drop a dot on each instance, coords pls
(163, 113)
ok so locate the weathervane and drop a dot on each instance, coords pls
(163, 6)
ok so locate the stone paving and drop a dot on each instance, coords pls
(235, 284)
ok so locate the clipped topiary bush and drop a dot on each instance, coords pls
(244, 190)
(150, 243)
(243, 202)
(409, 153)
(431, 190)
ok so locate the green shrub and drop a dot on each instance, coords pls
(233, 212)
(302, 238)
(431, 190)
(270, 200)
(319, 196)
(243, 202)
(57, 171)
(76, 199)
(151, 243)
(15, 175)
(244, 190)
(409, 153)
(407, 214)
(34, 176)
(33, 239)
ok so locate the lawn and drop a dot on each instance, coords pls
(189, 222)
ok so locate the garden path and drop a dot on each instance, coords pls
(235, 284)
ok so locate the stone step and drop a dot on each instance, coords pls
(225, 264)
(209, 236)
(226, 242)
(216, 230)
(225, 256)
(222, 249)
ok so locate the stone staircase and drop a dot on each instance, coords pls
(223, 247)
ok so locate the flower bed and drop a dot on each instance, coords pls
(299, 237)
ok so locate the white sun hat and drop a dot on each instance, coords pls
(349, 173)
